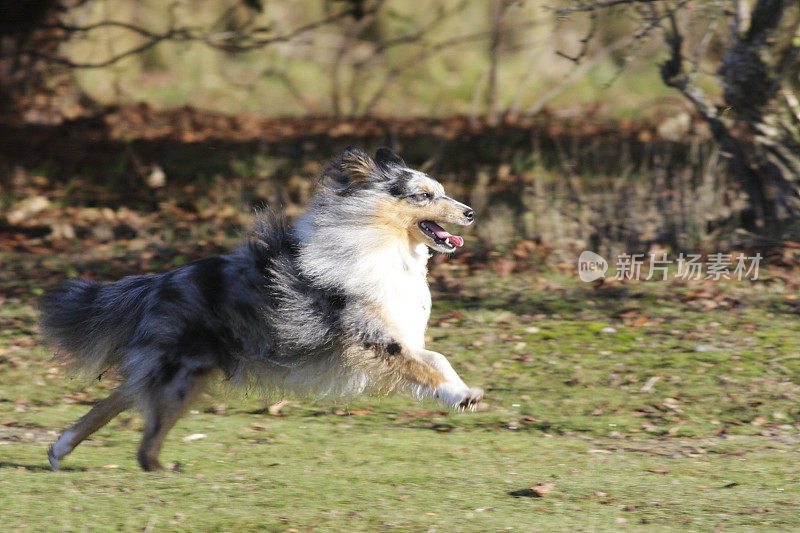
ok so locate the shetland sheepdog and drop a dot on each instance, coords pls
(332, 306)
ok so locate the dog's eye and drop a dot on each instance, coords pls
(422, 196)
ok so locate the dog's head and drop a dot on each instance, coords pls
(402, 201)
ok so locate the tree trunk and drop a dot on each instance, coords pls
(23, 75)
(760, 80)
(759, 130)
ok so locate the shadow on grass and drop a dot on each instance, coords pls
(39, 468)
(524, 493)
(564, 301)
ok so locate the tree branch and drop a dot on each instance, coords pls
(231, 41)
(584, 42)
(425, 54)
(597, 6)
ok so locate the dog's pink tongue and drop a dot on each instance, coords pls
(456, 240)
(442, 233)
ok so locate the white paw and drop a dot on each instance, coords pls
(459, 397)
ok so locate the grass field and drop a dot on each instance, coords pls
(647, 406)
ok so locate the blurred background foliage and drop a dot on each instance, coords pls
(615, 124)
(392, 57)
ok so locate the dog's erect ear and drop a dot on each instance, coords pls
(386, 157)
(353, 169)
(357, 165)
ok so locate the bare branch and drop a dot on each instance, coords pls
(344, 47)
(58, 60)
(597, 6)
(759, 59)
(378, 53)
(416, 35)
(495, 41)
(673, 75)
(395, 72)
(575, 75)
(259, 43)
(584, 42)
(231, 41)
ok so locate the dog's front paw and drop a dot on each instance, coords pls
(460, 398)
(472, 399)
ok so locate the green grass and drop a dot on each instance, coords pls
(635, 428)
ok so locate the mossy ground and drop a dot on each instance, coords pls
(649, 406)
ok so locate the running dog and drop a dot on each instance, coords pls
(333, 306)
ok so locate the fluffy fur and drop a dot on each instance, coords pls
(334, 306)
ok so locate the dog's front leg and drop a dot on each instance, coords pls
(454, 392)
(391, 364)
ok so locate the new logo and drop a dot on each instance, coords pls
(591, 266)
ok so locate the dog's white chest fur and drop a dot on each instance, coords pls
(391, 274)
(407, 302)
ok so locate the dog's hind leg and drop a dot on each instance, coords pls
(164, 405)
(100, 415)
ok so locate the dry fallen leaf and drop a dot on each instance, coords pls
(275, 408)
(542, 489)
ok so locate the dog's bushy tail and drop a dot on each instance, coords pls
(89, 322)
(270, 239)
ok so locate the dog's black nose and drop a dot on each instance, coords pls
(469, 214)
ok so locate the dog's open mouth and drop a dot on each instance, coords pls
(440, 235)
